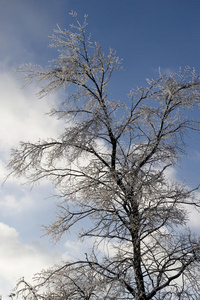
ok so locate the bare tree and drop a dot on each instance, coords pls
(110, 166)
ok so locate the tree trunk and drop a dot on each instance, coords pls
(141, 295)
(135, 226)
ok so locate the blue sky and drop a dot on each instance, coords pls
(146, 35)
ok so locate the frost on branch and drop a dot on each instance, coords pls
(109, 167)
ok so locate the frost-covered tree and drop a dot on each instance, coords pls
(109, 166)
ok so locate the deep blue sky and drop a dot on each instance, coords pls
(147, 34)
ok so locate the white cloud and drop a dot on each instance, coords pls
(76, 248)
(10, 204)
(193, 215)
(19, 259)
(171, 174)
(194, 218)
(22, 115)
